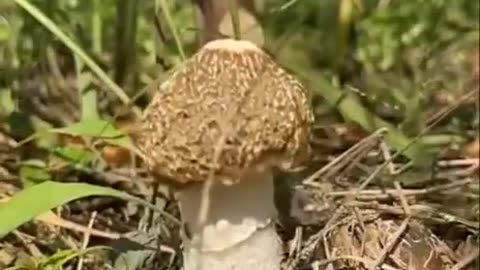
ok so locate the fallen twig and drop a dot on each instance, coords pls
(86, 239)
(466, 260)
(390, 244)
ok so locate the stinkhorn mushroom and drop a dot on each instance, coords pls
(224, 121)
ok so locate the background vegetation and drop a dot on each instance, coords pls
(73, 75)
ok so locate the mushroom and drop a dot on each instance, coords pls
(215, 131)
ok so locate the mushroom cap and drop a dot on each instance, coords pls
(228, 110)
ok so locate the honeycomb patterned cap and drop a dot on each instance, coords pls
(228, 110)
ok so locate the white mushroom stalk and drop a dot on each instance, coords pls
(227, 118)
(239, 231)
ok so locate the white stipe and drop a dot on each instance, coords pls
(239, 232)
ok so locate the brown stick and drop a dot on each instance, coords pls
(210, 14)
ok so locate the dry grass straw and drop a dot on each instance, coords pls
(375, 227)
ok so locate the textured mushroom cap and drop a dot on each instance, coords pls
(229, 109)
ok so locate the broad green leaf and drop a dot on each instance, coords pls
(35, 200)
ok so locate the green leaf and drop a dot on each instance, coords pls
(4, 29)
(123, 141)
(7, 105)
(35, 200)
(87, 93)
(59, 258)
(97, 128)
(163, 5)
(55, 261)
(75, 154)
(91, 128)
(33, 172)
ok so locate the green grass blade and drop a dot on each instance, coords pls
(125, 36)
(33, 201)
(97, 24)
(86, 91)
(50, 25)
(168, 17)
(233, 6)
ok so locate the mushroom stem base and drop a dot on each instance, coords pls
(239, 232)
